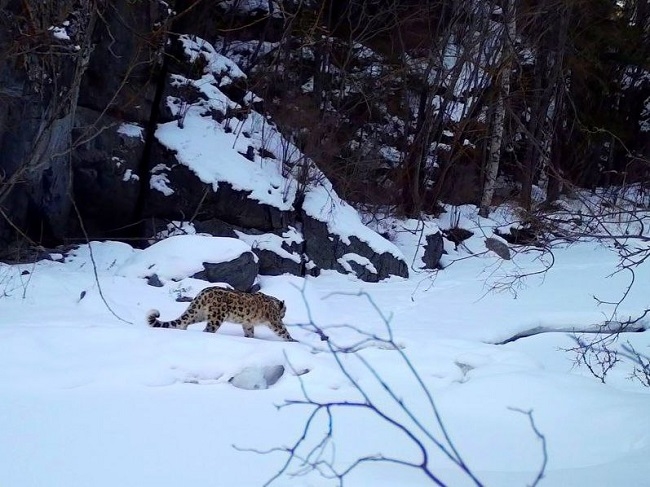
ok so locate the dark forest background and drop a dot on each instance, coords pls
(403, 104)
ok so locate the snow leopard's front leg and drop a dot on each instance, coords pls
(280, 330)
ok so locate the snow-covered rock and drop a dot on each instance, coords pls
(278, 253)
(217, 259)
(336, 238)
(257, 377)
(239, 272)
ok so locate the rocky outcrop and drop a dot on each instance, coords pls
(274, 264)
(157, 127)
(179, 194)
(277, 253)
(329, 251)
(193, 178)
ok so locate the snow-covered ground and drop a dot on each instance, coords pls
(91, 396)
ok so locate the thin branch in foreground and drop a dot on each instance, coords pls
(313, 451)
(541, 438)
(92, 259)
(641, 371)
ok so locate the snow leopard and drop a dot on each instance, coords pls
(216, 305)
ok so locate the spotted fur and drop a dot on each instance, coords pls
(216, 305)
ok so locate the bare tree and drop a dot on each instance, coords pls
(503, 91)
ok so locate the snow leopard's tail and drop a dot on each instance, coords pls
(152, 318)
(182, 322)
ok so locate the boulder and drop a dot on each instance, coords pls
(498, 246)
(215, 227)
(278, 253)
(240, 273)
(274, 264)
(434, 247)
(214, 259)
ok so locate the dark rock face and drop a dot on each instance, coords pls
(235, 206)
(272, 264)
(215, 227)
(191, 196)
(433, 250)
(50, 183)
(40, 92)
(386, 263)
(240, 273)
(128, 43)
(105, 170)
(325, 250)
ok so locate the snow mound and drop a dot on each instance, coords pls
(182, 256)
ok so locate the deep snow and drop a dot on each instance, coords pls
(89, 399)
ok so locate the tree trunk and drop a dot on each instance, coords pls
(496, 141)
(411, 194)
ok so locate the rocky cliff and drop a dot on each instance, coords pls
(123, 120)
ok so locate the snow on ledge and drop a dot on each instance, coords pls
(131, 130)
(221, 151)
(196, 48)
(323, 204)
(273, 243)
(182, 256)
(206, 149)
(159, 180)
(358, 259)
